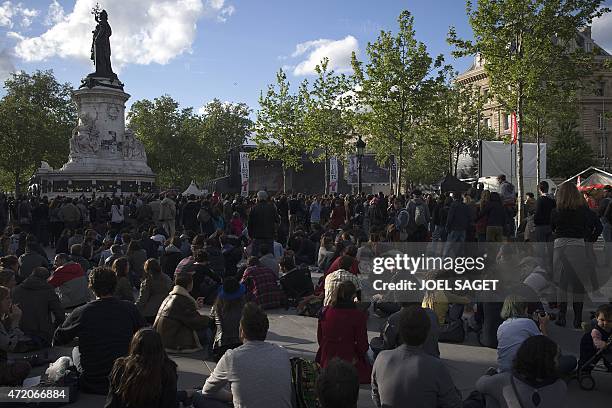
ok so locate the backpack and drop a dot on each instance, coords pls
(420, 215)
(304, 374)
(203, 216)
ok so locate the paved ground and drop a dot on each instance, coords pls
(466, 361)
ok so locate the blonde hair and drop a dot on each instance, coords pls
(484, 198)
(568, 197)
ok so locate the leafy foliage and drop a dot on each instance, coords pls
(570, 153)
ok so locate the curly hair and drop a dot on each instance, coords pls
(536, 359)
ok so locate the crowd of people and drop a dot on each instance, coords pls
(132, 276)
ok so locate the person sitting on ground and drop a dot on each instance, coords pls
(76, 251)
(262, 285)
(38, 301)
(197, 243)
(216, 261)
(11, 373)
(407, 373)
(258, 373)
(69, 281)
(390, 336)
(206, 282)
(30, 260)
(342, 332)
(326, 252)
(351, 251)
(171, 257)
(105, 250)
(116, 253)
(146, 377)
(334, 279)
(123, 290)
(182, 328)
(104, 327)
(154, 288)
(268, 260)
(338, 385)
(137, 257)
(533, 381)
(226, 313)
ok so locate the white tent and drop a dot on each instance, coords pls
(192, 189)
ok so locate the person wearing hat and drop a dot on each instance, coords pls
(262, 223)
(226, 313)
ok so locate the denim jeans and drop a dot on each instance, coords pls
(454, 242)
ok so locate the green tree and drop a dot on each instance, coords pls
(569, 153)
(395, 89)
(523, 41)
(226, 127)
(328, 117)
(36, 115)
(279, 128)
(172, 139)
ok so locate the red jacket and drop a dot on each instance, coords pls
(336, 265)
(65, 273)
(343, 333)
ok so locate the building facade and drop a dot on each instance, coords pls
(595, 105)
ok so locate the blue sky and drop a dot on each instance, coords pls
(197, 50)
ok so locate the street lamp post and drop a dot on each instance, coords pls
(360, 148)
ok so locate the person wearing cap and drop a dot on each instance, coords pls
(262, 223)
(226, 313)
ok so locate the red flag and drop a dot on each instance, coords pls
(514, 128)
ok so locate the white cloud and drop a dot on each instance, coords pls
(339, 54)
(10, 11)
(6, 65)
(55, 14)
(602, 31)
(144, 31)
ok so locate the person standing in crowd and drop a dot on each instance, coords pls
(262, 223)
(457, 224)
(419, 217)
(38, 302)
(604, 211)
(407, 373)
(543, 208)
(496, 218)
(258, 373)
(167, 214)
(11, 373)
(104, 326)
(338, 385)
(569, 223)
(315, 211)
(117, 215)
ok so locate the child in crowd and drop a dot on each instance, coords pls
(600, 336)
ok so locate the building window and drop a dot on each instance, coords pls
(507, 122)
(600, 89)
(601, 121)
(487, 122)
(603, 145)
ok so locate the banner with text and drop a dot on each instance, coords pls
(244, 174)
(333, 175)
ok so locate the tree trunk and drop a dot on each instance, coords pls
(326, 177)
(457, 160)
(398, 181)
(519, 152)
(538, 158)
(17, 184)
(284, 180)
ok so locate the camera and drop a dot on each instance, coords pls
(543, 313)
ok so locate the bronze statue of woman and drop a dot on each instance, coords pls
(100, 47)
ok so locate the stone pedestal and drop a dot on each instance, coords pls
(105, 157)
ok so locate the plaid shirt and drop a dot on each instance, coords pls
(263, 287)
(334, 279)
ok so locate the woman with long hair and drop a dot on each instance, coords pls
(226, 313)
(569, 223)
(342, 332)
(154, 288)
(137, 257)
(123, 290)
(10, 315)
(146, 377)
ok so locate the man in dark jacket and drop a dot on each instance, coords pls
(541, 220)
(263, 220)
(30, 260)
(38, 300)
(104, 326)
(458, 220)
